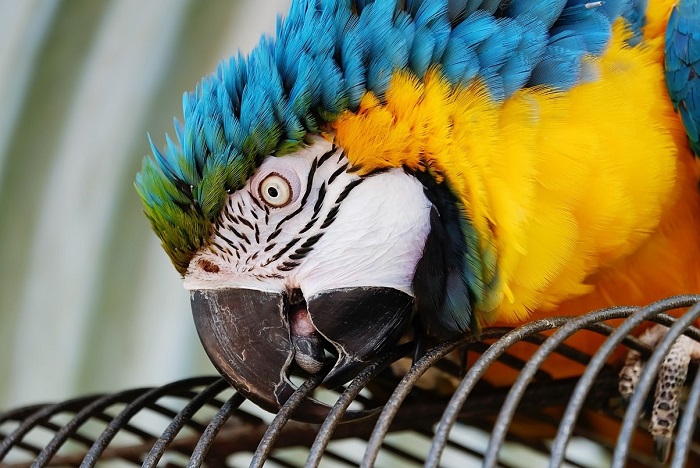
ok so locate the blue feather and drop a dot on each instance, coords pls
(534, 38)
(515, 72)
(412, 6)
(231, 125)
(689, 120)
(547, 11)
(494, 51)
(560, 66)
(491, 6)
(440, 28)
(405, 25)
(595, 30)
(352, 60)
(577, 10)
(494, 83)
(431, 12)
(682, 66)
(422, 52)
(475, 29)
(472, 6)
(212, 130)
(334, 94)
(378, 75)
(613, 9)
(457, 11)
(636, 19)
(163, 162)
(457, 59)
(304, 93)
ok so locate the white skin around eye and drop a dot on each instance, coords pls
(337, 231)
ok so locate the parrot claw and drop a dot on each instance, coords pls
(419, 348)
(671, 378)
(463, 362)
(662, 448)
(629, 375)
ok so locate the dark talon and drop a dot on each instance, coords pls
(419, 340)
(462, 362)
(662, 448)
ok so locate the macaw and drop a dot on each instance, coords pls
(384, 166)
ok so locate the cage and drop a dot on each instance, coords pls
(458, 418)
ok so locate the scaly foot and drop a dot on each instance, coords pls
(671, 378)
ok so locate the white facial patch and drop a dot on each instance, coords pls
(302, 221)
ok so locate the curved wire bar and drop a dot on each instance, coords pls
(408, 408)
(596, 363)
(121, 420)
(42, 413)
(517, 390)
(402, 389)
(93, 409)
(334, 418)
(449, 417)
(179, 421)
(687, 426)
(282, 417)
(645, 381)
(207, 439)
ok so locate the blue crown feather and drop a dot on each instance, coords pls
(325, 56)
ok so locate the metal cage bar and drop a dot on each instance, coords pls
(210, 424)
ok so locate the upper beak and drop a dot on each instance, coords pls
(253, 337)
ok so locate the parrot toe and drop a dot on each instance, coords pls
(672, 375)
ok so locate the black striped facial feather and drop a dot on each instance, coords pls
(332, 229)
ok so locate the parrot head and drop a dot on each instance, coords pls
(318, 201)
(313, 267)
(306, 260)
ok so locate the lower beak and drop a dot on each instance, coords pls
(247, 335)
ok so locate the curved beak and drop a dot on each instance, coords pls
(253, 338)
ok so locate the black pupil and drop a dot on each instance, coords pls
(272, 192)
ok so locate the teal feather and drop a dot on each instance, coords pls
(547, 12)
(682, 66)
(636, 19)
(354, 68)
(594, 29)
(475, 29)
(459, 61)
(421, 55)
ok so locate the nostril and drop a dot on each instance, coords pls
(296, 297)
(208, 266)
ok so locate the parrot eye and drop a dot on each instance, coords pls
(275, 190)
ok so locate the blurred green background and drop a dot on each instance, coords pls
(88, 300)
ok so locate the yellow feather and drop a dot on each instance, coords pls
(564, 189)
